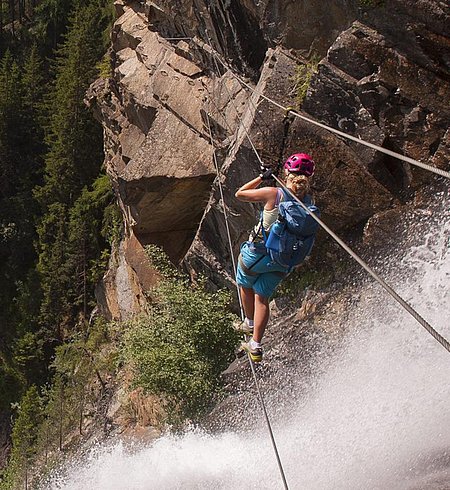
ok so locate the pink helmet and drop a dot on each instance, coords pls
(300, 163)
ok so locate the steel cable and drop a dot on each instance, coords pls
(444, 342)
(391, 153)
(230, 244)
(260, 396)
(432, 331)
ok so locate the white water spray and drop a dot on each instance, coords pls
(378, 418)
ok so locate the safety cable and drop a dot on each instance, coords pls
(252, 366)
(260, 396)
(225, 212)
(391, 153)
(436, 335)
(444, 342)
(214, 56)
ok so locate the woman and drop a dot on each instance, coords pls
(257, 275)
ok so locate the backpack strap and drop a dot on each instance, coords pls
(280, 195)
(286, 195)
(263, 231)
(254, 234)
(307, 200)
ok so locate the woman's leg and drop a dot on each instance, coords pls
(261, 306)
(248, 302)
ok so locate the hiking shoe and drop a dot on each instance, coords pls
(256, 355)
(243, 327)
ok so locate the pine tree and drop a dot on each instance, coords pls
(86, 222)
(25, 436)
(51, 21)
(20, 164)
(11, 113)
(51, 216)
(67, 231)
(74, 137)
(54, 269)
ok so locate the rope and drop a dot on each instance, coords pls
(225, 214)
(288, 110)
(383, 283)
(252, 366)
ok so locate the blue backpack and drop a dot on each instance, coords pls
(292, 236)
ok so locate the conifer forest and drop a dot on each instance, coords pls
(58, 217)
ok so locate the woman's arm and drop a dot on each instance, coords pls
(249, 193)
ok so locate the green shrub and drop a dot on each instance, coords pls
(180, 347)
(24, 440)
(303, 76)
(104, 66)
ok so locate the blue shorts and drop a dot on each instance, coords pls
(264, 276)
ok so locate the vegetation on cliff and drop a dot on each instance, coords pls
(57, 226)
(181, 345)
(53, 416)
(176, 351)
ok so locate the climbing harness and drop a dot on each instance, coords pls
(252, 366)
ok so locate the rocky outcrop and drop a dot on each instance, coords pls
(386, 79)
(345, 191)
(173, 110)
(243, 30)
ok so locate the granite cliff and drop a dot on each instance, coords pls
(383, 76)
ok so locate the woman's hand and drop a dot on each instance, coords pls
(266, 173)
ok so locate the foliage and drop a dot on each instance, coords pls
(303, 76)
(58, 219)
(28, 356)
(179, 349)
(71, 249)
(72, 254)
(81, 368)
(20, 163)
(51, 19)
(57, 223)
(73, 136)
(105, 66)
(87, 222)
(10, 385)
(112, 228)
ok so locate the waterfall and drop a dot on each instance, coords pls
(376, 417)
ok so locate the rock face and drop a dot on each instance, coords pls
(386, 79)
(173, 110)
